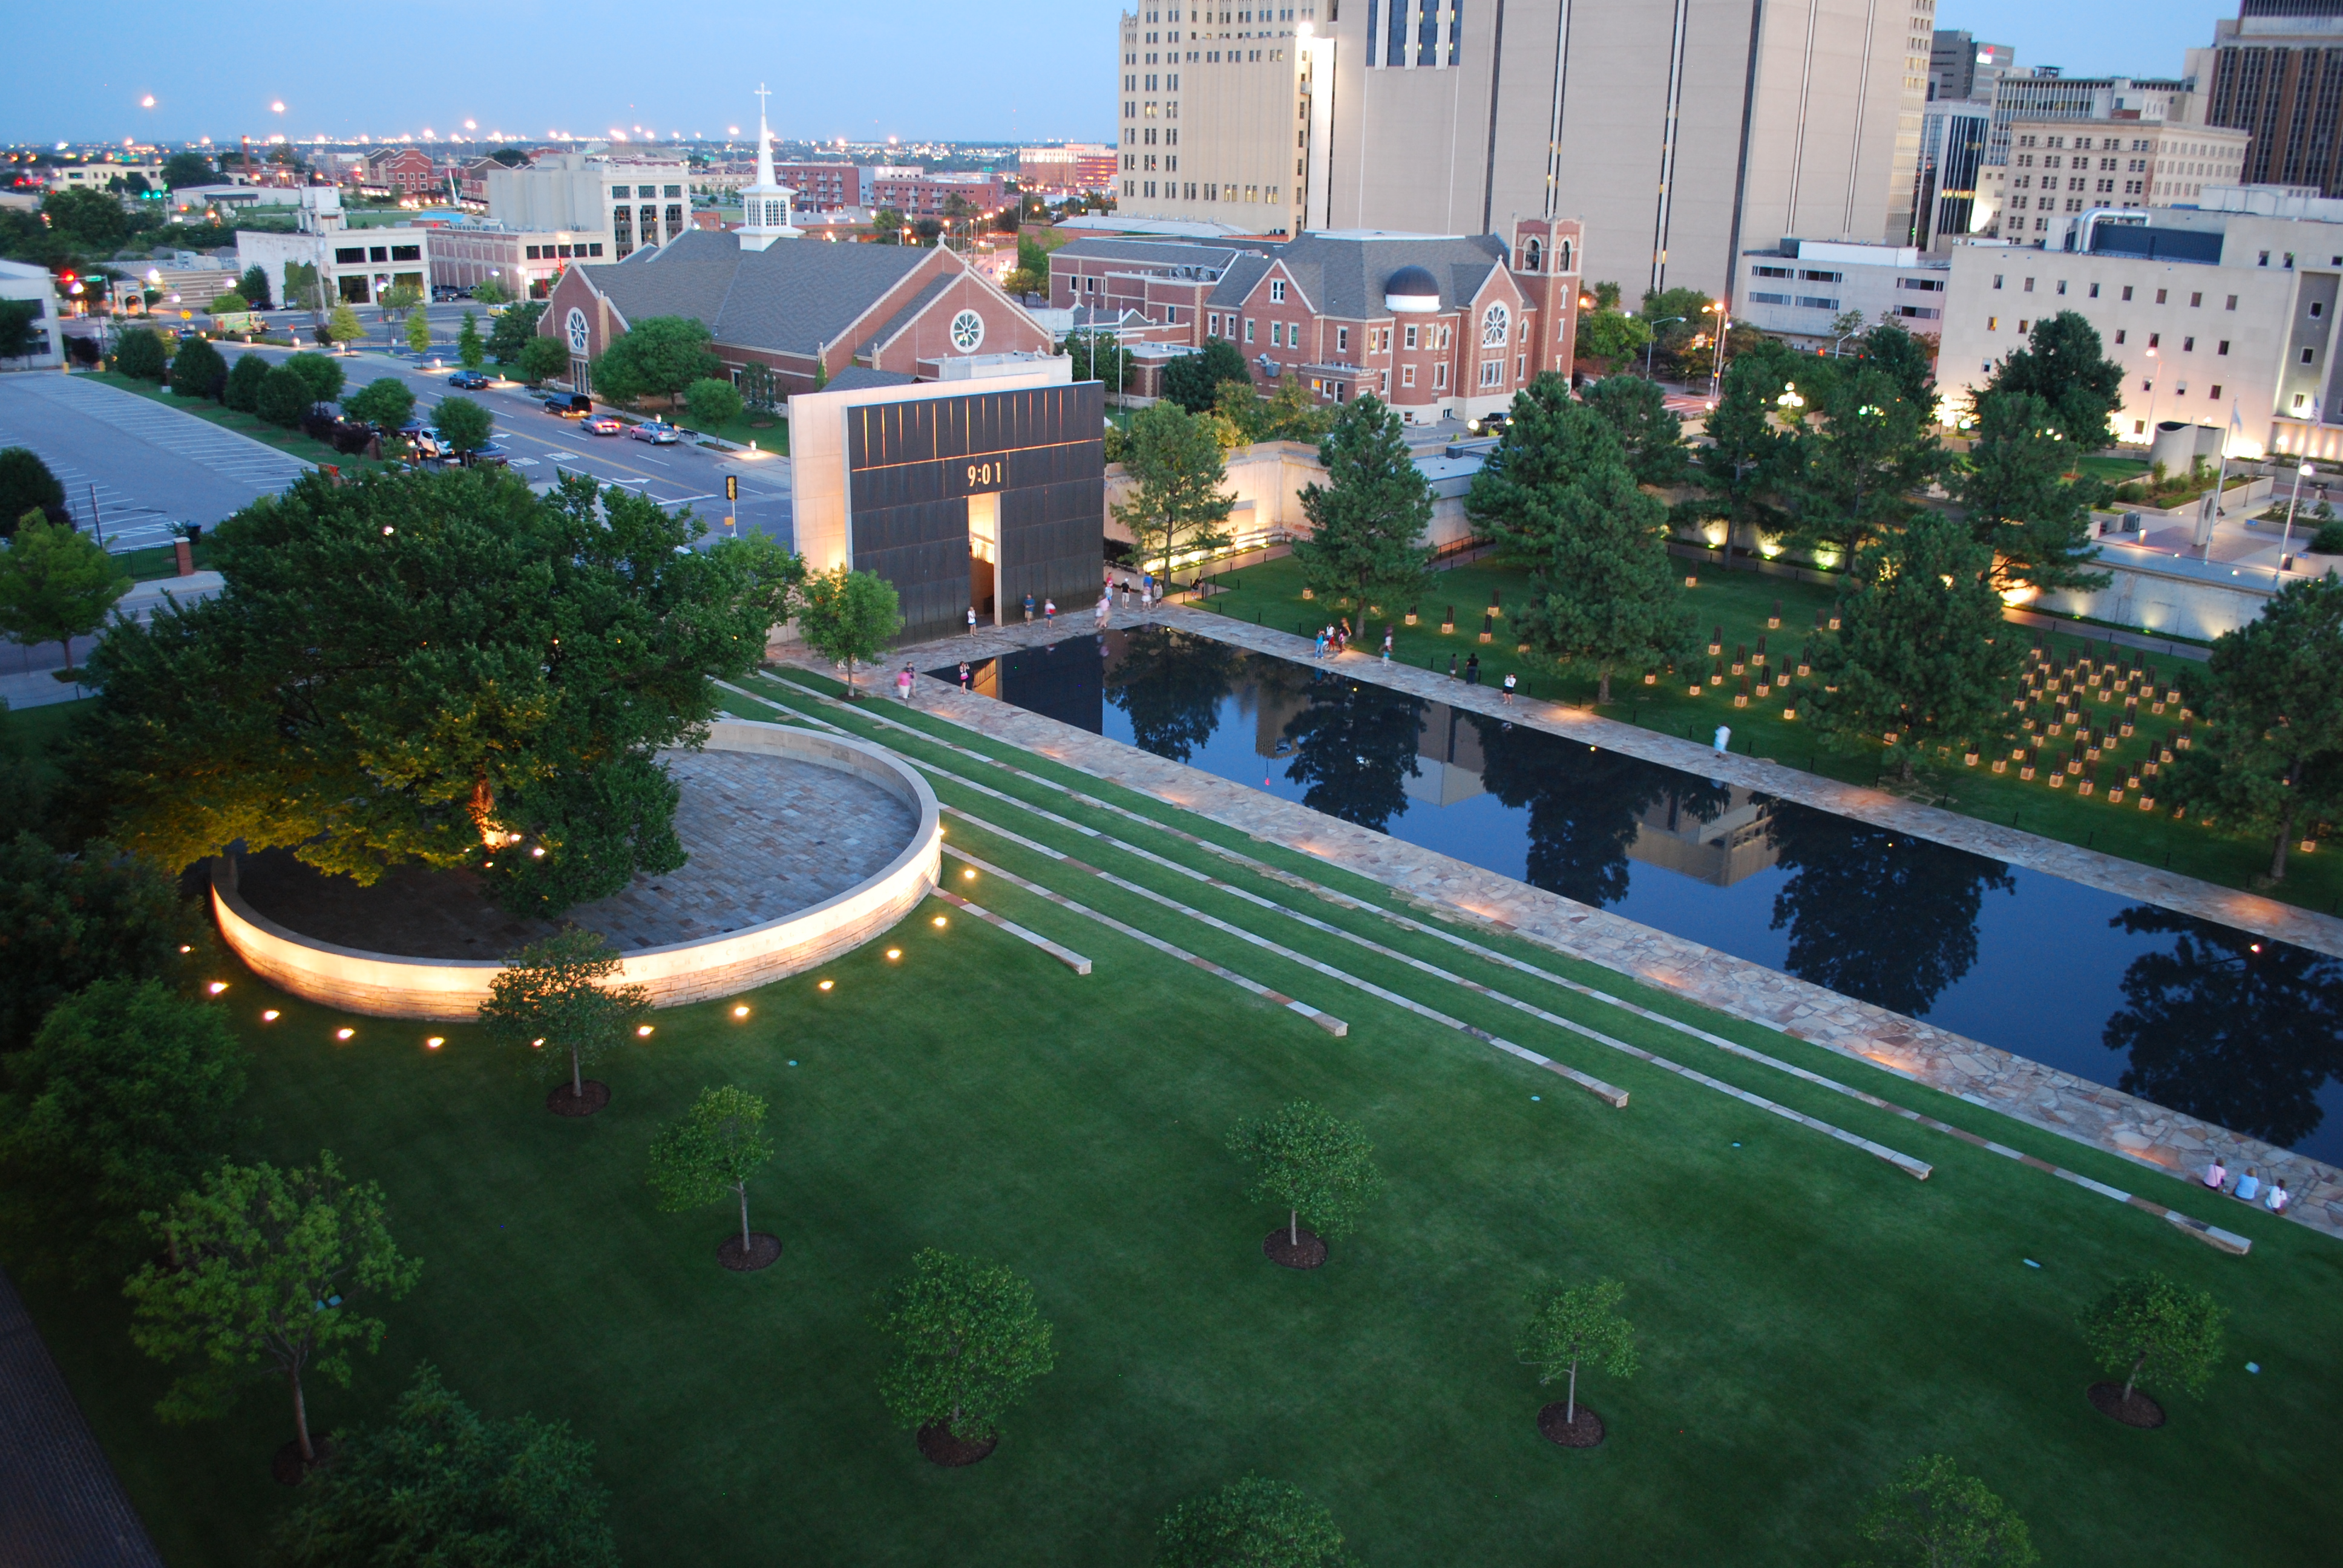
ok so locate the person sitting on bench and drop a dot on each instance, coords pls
(2250, 1185)
(2216, 1176)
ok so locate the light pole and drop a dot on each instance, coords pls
(1717, 360)
(1652, 342)
(2154, 374)
(2301, 472)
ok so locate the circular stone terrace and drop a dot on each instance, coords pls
(801, 846)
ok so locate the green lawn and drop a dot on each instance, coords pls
(1809, 1317)
(289, 441)
(1739, 604)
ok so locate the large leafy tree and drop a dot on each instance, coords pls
(197, 370)
(464, 423)
(709, 1156)
(126, 1097)
(57, 583)
(542, 359)
(1581, 1323)
(1906, 359)
(245, 380)
(385, 403)
(1855, 472)
(2020, 502)
(553, 1005)
(1923, 654)
(187, 168)
(436, 669)
(659, 357)
(2149, 1327)
(27, 486)
(1255, 1522)
(2063, 364)
(284, 397)
(1559, 497)
(516, 328)
(1650, 436)
(91, 219)
(1310, 1164)
(1933, 1516)
(1610, 338)
(67, 921)
(268, 1266)
(138, 353)
(438, 1484)
(1367, 521)
(2270, 756)
(1193, 380)
(319, 372)
(969, 1337)
(849, 618)
(1176, 505)
(254, 285)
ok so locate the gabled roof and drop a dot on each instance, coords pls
(792, 296)
(905, 317)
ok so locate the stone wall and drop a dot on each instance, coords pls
(383, 985)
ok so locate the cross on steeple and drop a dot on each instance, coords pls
(761, 95)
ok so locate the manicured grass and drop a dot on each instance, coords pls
(289, 441)
(1810, 1318)
(1740, 603)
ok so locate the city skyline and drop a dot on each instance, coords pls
(1040, 82)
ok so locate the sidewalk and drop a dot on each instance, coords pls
(26, 678)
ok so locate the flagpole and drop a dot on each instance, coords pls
(2213, 502)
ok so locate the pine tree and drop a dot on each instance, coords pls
(1923, 654)
(2270, 755)
(1741, 466)
(1559, 496)
(471, 351)
(2021, 506)
(1367, 522)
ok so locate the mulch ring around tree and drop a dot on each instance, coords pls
(937, 1445)
(762, 1250)
(2140, 1411)
(1585, 1431)
(285, 1465)
(562, 1101)
(1278, 1248)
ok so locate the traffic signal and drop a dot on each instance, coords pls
(731, 487)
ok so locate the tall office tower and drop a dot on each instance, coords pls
(1952, 158)
(1960, 67)
(2276, 70)
(1678, 130)
(2046, 94)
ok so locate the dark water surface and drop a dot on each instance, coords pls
(2245, 1032)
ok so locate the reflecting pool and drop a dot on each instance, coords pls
(2245, 1032)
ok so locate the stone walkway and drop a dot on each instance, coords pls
(61, 1504)
(2127, 878)
(2144, 1133)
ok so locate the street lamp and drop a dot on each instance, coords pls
(1652, 342)
(2154, 374)
(1723, 314)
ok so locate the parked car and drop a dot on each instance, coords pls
(422, 441)
(656, 433)
(489, 457)
(570, 405)
(470, 380)
(1491, 424)
(605, 425)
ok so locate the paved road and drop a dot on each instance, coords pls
(137, 464)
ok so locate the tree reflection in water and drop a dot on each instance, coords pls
(1354, 745)
(1877, 915)
(1172, 687)
(1585, 806)
(2227, 1026)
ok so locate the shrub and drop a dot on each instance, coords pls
(712, 402)
(2328, 540)
(198, 370)
(27, 486)
(140, 353)
(223, 303)
(542, 359)
(285, 397)
(242, 391)
(386, 403)
(322, 374)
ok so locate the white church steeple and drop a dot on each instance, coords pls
(765, 205)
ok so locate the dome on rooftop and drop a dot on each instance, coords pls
(1411, 290)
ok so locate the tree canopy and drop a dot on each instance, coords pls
(1854, 473)
(2149, 1328)
(552, 1004)
(67, 921)
(1650, 436)
(386, 403)
(57, 583)
(197, 370)
(1559, 497)
(443, 668)
(27, 486)
(1367, 522)
(464, 423)
(441, 1484)
(2270, 756)
(266, 1264)
(2062, 364)
(2019, 502)
(849, 617)
(1309, 1164)
(515, 328)
(138, 353)
(1177, 504)
(1575, 1325)
(711, 1152)
(1255, 1522)
(1193, 380)
(969, 1337)
(657, 357)
(1933, 1516)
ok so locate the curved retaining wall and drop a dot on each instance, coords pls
(383, 985)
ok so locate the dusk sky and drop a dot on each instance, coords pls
(914, 69)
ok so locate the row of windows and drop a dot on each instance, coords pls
(2163, 296)
(648, 193)
(359, 255)
(555, 252)
(1810, 275)
(1213, 190)
(1268, 13)
(1147, 162)
(2082, 145)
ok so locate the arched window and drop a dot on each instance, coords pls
(1531, 253)
(1561, 262)
(1492, 327)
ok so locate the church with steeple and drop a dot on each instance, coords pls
(765, 205)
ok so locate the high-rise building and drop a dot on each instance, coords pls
(2061, 169)
(2044, 93)
(1960, 67)
(1952, 137)
(1674, 130)
(2276, 71)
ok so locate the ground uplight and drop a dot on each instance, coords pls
(344, 1033)
(894, 952)
(739, 1012)
(825, 985)
(643, 1031)
(940, 920)
(216, 987)
(435, 1042)
(270, 1016)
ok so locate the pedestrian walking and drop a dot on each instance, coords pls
(1724, 740)
(1318, 644)
(1029, 609)
(1050, 611)
(1387, 644)
(1105, 610)
(1472, 670)
(903, 683)
(971, 620)
(965, 677)
(1509, 686)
